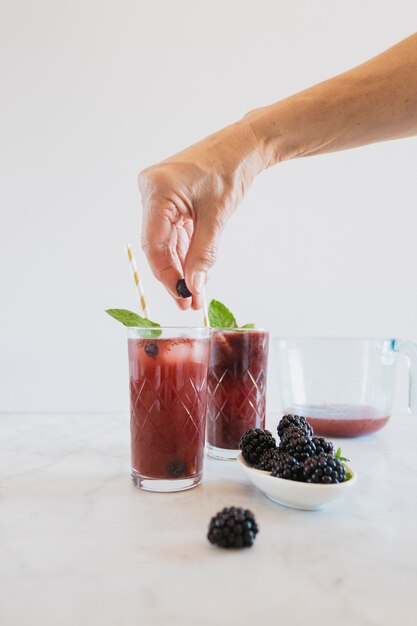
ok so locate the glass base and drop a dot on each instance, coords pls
(221, 453)
(162, 485)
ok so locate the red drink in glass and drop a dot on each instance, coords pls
(236, 388)
(343, 386)
(168, 395)
(344, 420)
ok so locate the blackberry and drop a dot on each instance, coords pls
(297, 443)
(322, 445)
(297, 421)
(286, 466)
(233, 527)
(254, 443)
(267, 459)
(151, 349)
(182, 289)
(177, 469)
(324, 469)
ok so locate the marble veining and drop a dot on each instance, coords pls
(80, 546)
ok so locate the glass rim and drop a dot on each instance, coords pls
(168, 328)
(240, 330)
(199, 328)
(329, 338)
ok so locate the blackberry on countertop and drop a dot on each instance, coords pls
(294, 421)
(322, 445)
(233, 527)
(254, 443)
(286, 466)
(325, 469)
(297, 443)
(267, 460)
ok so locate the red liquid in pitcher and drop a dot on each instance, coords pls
(237, 386)
(168, 394)
(343, 420)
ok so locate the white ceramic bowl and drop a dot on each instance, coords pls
(305, 496)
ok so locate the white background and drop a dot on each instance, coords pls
(93, 91)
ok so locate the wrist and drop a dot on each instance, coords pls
(271, 127)
(240, 153)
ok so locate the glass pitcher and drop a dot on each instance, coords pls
(344, 387)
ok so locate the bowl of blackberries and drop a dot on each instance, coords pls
(301, 470)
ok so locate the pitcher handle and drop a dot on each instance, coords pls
(409, 349)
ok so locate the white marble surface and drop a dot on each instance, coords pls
(79, 545)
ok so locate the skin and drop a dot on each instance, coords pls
(188, 198)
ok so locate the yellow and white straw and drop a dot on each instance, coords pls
(137, 280)
(205, 310)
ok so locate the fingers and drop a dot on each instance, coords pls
(197, 302)
(165, 266)
(161, 225)
(178, 241)
(202, 253)
(184, 303)
(159, 242)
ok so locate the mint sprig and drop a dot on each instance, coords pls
(221, 317)
(339, 456)
(343, 460)
(130, 318)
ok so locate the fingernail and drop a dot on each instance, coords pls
(183, 305)
(198, 281)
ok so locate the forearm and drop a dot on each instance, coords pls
(188, 198)
(373, 102)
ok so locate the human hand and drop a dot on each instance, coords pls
(187, 200)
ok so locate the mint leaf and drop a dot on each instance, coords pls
(220, 316)
(129, 318)
(343, 460)
(339, 456)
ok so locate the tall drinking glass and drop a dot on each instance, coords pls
(168, 397)
(236, 388)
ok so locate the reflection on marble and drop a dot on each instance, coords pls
(80, 546)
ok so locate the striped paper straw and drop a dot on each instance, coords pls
(137, 280)
(205, 310)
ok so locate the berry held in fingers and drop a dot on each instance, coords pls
(182, 289)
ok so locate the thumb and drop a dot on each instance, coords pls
(202, 253)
